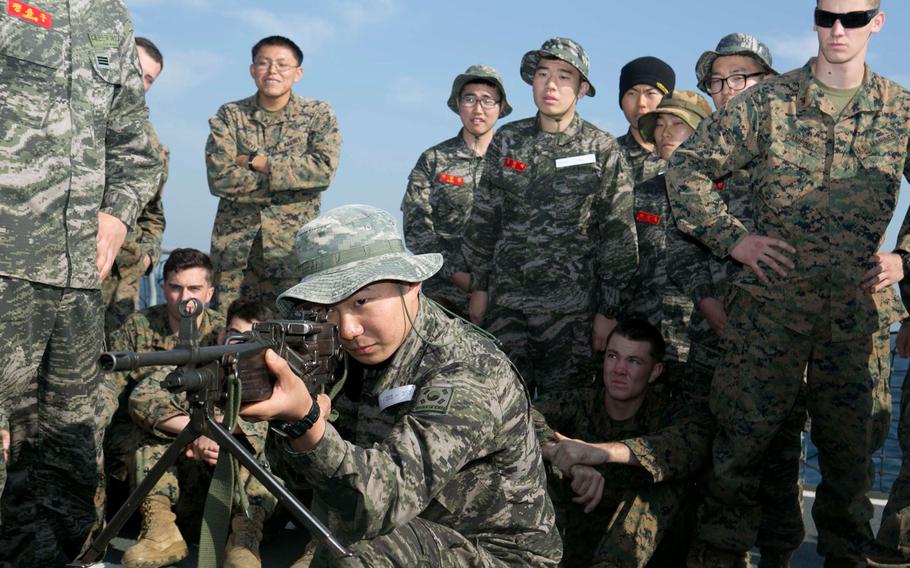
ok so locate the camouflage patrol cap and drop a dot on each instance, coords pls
(473, 73)
(347, 248)
(687, 105)
(567, 50)
(733, 44)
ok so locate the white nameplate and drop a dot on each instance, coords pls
(575, 161)
(395, 396)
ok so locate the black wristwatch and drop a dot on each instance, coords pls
(612, 312)
(249, 162)
(292, 430)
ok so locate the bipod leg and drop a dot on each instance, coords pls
(226, 441)
(95, 552)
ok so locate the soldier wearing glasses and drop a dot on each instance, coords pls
(551, 237)
(440, 193)
(825, 146)
(269, 158)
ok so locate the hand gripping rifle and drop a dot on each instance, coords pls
(311, 348)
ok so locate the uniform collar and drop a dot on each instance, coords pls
(564, 137)
(268, 118)
(868, 98)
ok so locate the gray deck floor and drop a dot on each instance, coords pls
(283, 549)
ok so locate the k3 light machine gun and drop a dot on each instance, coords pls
(205, 374)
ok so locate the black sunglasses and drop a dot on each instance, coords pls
(826, 19)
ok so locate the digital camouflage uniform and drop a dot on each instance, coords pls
(643, 165)
(120, 291)
(73, 143)
(458, 465)
(552, 238)
(828, 186)
(436, 208)
(641, 505)
(259, 214)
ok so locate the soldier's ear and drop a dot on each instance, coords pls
(298, 74)
(583, 89)
(656, 372)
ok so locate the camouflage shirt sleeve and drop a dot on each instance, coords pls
(392, 482)
(131, 164)
(227, 179)
(151, 222)
(617, 250)
(724, 142)
(311, 165)
(151, 404)
(903, 238)
(417, 212)
(483, 230)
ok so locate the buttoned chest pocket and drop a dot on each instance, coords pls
(107, 69)
(29, 58)
(794, 172)
(573, 193)
(451, 198)
(513, 178)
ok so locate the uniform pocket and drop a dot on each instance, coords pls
(29, 57)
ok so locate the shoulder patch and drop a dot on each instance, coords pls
(435, 400)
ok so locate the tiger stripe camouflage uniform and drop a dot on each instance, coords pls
(641, 516)
(643, 165)
(827, 184)
(436, 208)
(702, 275)
(72, 143)
(536, 242)
(458, 466)
(651, 294)
(120, 291)
(259, 214)
(133, 439)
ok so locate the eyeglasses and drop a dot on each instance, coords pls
(850, 20)
(736, 82)
(471, 101)
(280, 66)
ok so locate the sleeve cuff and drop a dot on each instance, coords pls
(323, 460)
(642, 452)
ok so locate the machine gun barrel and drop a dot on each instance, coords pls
(131, 360)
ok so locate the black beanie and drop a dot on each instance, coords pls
(647, 71)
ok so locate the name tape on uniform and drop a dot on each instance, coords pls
(395, 396)
(28, 13)
(575, 161)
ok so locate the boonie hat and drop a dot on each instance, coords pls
(567, 50)
(733, 44)
(473, 73)
(687, 105)
(347, 248)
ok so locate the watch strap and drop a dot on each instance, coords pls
(292, 430)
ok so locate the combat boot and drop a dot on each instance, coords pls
(160, 542)
(242, 549)
(703, 555)
(774, 558)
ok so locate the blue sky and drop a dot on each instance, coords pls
(386, 66)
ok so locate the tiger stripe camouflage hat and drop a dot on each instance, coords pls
(567, 50)
(347, 248)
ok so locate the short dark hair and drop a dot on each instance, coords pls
(184, 258)
(481, 81)
(279, 41)
(249, 310)
(151, 49)
(635, 329)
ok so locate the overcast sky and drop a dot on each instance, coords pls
(386, 66)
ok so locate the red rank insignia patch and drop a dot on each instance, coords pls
(451, 180)
(719, 185)
(514, 165)
(28, 13)
(649, 218)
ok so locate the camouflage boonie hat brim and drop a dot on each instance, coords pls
(348, 248)
(473, 73)
(733, 44)
(691, 107)
(565, 49)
